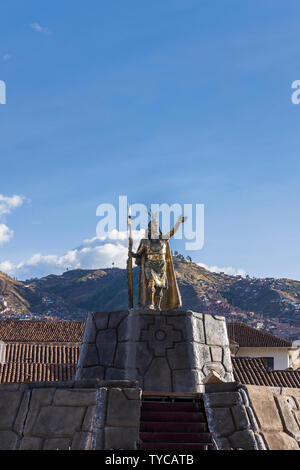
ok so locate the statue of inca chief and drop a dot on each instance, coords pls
(158, 289)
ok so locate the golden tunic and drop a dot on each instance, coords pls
(156, 264)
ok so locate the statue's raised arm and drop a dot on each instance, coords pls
(170, 234)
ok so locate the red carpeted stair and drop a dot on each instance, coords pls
(170, 424)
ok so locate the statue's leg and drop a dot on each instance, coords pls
(151, 293)
(159, 295)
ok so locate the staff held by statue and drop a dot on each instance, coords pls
(129, 261)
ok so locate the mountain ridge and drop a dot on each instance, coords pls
(71, 295)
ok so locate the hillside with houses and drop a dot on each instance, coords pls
(270, 304)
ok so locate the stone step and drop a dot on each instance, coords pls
(173, 416)
(174, 437)
(175, 446)
(149, 426)
(169, 406)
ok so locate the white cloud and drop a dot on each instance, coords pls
(40, 29)
(94, 253)
(8, 204)
(226, 270)
(6, 234)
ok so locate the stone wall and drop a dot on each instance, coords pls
(253, 417)
(230, 417)
(277, 413)
(165, 352)
(86, 415)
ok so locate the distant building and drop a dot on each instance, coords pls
(248, 342)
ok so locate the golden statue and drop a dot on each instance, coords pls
(158, 289)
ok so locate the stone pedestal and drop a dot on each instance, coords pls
(74, 415)
(165, 351)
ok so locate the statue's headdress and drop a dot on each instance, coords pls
(153, 225)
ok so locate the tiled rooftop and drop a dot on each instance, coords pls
(247, 336)
(24, 372)
(41, 331)
(42, 353)
(28, 362)
(253, 372)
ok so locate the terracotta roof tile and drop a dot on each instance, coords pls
(41, 331)
(42, 353)
(247, 336)
(23, 372)
(29, 362)
(253, 372)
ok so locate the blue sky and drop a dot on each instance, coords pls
(162, 101)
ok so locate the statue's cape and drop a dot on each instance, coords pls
(172, 297)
